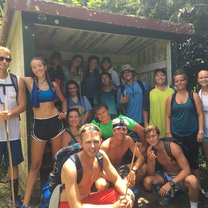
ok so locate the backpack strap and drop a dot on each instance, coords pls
(142, 86)
(99, 157)
(14, 82)
(78, 165)
(166, 142)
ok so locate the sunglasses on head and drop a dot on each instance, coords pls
(2, 58)
(89, 128)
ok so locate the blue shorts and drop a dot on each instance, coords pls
(16, 150)
(167, 178)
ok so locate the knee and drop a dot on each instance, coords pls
(35, 167)
(191, 182)
(148, 182)
(101, 184)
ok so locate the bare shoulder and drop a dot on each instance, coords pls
(69, 167)
(175, 149)
(105, 144)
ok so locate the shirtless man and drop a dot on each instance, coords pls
(122, 142)
(174, 174)
(79, 195)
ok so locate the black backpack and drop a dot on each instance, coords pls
(14, 84)
(61, 157)
(166, 141)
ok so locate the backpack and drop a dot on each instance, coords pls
(166, 141)
(14, 83)
(55, 176)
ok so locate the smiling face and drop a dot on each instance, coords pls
(105, 80)
(38, 68)
(93, 65)
(203, 78)
(72, 89)
(160, 78)
(91, 142)
(4, 64)
(128, 75)
(74, 119)
(77, 62)
(120, 132)
(180, 82)
(103, 115)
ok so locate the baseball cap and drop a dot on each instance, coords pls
(119, 122)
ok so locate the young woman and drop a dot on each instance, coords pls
(184, 120)
(74, 71)
(90, 81)
(48, 125)
(203, 94)
(71, 135)
(75, 100)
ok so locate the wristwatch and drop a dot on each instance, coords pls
(201, 132)
(134, 170)
(172, 183)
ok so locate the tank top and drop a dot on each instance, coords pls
(184, 121)
(9, 99)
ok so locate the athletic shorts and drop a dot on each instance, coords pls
(109, 196)
(192, 149)
(47, 129)
(16, 150)
(167, 178)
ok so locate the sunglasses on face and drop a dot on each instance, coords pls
(8, 60)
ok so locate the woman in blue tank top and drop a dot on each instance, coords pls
(184, 120)
(48, 125)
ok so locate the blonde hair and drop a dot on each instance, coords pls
(5, 50)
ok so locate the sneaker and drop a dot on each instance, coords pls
(165, 200)
(18, 202)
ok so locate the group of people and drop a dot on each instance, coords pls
(148, 116)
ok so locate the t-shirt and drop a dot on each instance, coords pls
(134, 106)
(156, 105)
(107, 129)
(109, 98)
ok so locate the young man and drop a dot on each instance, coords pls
(155, 101)
(107, 93)
(12, 102)
(104, 122)
(79, 194)
(122, 142)
(106, 66)
(130, 95)
(173, 174)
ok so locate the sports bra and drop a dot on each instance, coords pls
(45, 96)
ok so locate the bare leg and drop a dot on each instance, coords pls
(150, 180)
(37, 150)
(56, 144)
(205, 151)
(192, 184)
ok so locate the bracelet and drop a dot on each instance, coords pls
(64, 113)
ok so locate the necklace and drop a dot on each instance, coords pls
(41, 81)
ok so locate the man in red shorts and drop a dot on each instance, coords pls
(78, 194)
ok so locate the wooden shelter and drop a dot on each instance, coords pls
(36, 28)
